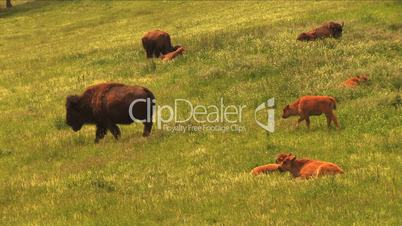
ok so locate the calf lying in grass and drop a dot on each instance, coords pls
(312, 105)
(269, 167)
(329, 29)
(306, 168)
(170, 56)
(355, 81)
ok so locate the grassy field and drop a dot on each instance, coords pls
(244, 52)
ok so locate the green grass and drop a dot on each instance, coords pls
(244, 52)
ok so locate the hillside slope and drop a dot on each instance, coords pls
(243, 52)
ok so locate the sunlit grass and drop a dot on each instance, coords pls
(244, 52)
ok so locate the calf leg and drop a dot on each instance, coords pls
(115, 130)
(300, 120)
(308, 122)
(335, 121)
(100, 133)
(147, 129)
(329, 119)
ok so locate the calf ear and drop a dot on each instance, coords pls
(293, 158)
(72, 101)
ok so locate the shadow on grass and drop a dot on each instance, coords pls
(25, 7)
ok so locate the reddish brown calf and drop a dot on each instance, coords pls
(173, 54)
(307, 106)
(355, 81)
(306, 168)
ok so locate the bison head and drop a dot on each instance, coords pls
(287, 162)
(336, 29)
(73, 114)
(289, 111)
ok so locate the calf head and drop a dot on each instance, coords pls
(280, 158)
(73, 113)
(289, 111)
(180, 50)
(176, 47)
(363, 78)
(287, 162)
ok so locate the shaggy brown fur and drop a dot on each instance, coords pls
(106, 105)
(329, 29)
(157, 43)
(173, 54)
(312, 105)
(355, 81)
(305, 168)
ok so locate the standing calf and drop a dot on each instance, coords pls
(305, 168)
(108, 104)
(312, 105)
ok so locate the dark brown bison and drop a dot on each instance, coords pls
(306, 168)
(108, 104)
(329, 29)
(157, 43)
(307, 106)
(172, 55)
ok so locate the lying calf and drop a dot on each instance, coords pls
(108, 104)
(355, 81)
(307, 106)
(172, 55)
(305, 168)
(329, 29)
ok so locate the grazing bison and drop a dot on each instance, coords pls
(108, 104)
(269, 167)
(355, 81)
(173, 54)
(312, 105)
(329, 29)
(306, 168)
(157, 43)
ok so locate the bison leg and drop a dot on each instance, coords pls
(100, 133)
(157, 53)
(149, 53)
(147, 129)
(115, 130)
